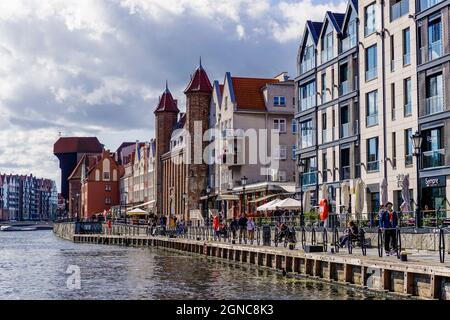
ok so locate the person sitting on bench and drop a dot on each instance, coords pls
(350, 234)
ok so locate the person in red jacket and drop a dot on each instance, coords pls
(109, 226)
(216, 225)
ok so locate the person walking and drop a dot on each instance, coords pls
(242, 227)
(251, 229)
(389, 223)
(216, 226)
(234, 227)
(350, 233)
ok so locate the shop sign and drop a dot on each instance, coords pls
(433, 182)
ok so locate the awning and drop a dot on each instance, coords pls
(289, 203)
(268, 206)
(144, 204)
(137, 212)
(263, 198)
(228, 197)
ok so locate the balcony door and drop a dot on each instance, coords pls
(433, 148)
(345, 163)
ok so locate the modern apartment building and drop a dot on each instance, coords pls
(433, 72)
(328, 103)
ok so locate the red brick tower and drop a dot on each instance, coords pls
(198, 95)
(166, 115)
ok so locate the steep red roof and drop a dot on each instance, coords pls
(199, 82)
(77, 144)
(167, 103)
(248, 94)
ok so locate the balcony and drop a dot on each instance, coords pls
(393, 64)
(371, 74)
(434, 158)
(324, 136)
(431, 52)
(425, 4)
(306, 65)
(309, 178)
(435, 104)
(345, 173)
(345, 130)
(326, 55)
(307, 103)
(348, 43)
(407, 109)
(399, 9)
(307, 141)
(373, 166)
(408, 159)
(369, 30)
(343, 88)
(372, 120)
(323, 96)
(406, 59)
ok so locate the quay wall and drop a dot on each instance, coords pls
(421, 280)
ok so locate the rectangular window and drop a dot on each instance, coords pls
(433, 148)
(307, 96)
(435, 37)
(107, 187)
(371, 62)
(369, 19)
(343, 78)
(372, 154)
(323, 92)
(279, 125)
(106, 176)
(324, 127)
(324, 168)
(408, 147)
(371, 108)
(306, 134)
(107, 200)
(434, 94)
(308, 59)
(294, 150)
(407, 97)
(393, 100)
(279, 101)
(406, 47)
(294, 126)
(399, 8)
(345, 122)
(394, 150)
(280, 152)
(392, 53)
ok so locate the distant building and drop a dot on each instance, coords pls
(69, 151)
(25, 197)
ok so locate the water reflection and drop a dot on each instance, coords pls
(33, 265)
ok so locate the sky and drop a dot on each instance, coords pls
(98, 67)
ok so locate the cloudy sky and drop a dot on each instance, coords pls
(97, 67)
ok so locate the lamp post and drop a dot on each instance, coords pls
(78, 207)
(184, 207)
(301, 169)
(125, 197)
(208, 192)
(417, 145)
(244, 183)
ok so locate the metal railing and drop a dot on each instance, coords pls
(345, 173)
(435, 104)
(324, 136)
(373, 165)
(348, 43)
(344, 87)
(307, 65)
(309, 178)
(345, 130)
(326, 54)
(308, 102)
(431, 52)
(433, 158)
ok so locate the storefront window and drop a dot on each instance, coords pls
(374, 201)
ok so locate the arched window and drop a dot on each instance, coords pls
(114, 175)
(97, 175)
(106, 169)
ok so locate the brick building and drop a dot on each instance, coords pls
(100, 178)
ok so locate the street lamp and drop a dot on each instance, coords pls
(78, 206)
(184, 207)
(301, 170)
(244, 183)
(417, 145)
(208, 191)
(125, 197)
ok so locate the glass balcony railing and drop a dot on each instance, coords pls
(345, 130)
(431, 52)
(326, 55)
(371, 74)
(307, 103)
(324, 136)
(373, 165)
(306, 65)
(435, 104)
(343, 88)
(307, 141)
(348, 43)
(393, 65)
(434, 158)
(372, 120)
(345, 173)
(406, 59)
(399, 9)
(408, 159)
(309, 178)
(356, 83)
(408, 109)
(323, 96)
(425, 4)
(369, 29)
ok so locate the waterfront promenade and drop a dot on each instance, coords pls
(421, 276)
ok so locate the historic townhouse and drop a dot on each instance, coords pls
(254, 104)
(388, 98)
(328, 104)
(433, 51)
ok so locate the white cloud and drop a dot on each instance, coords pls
(87, 67)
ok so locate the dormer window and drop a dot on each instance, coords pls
(279, 101)
(308, 59)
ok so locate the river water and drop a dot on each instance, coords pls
(33, 265)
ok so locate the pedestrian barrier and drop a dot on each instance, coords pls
(441, 245)
(313, 236)
(336, 239)
(380, 242)
(303, 237)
